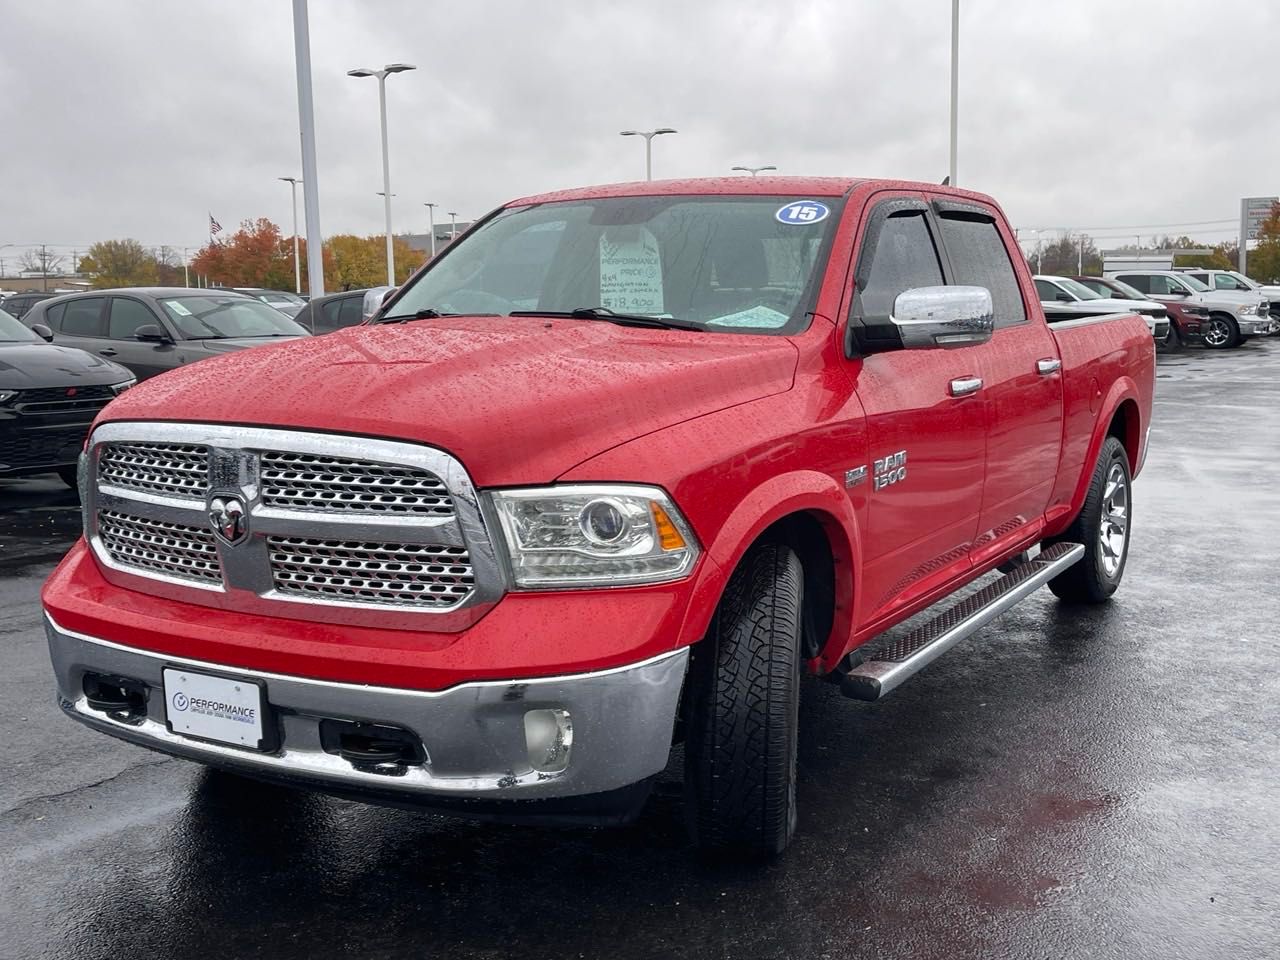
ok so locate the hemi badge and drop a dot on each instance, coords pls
(855, 476)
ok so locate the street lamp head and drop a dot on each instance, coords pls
(664, 130)
(629, 133)
(293, 180)
(362, 72)
(398, 67)
(761, 169)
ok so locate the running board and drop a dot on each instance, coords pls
(872, 679)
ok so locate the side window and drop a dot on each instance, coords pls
(82, 318)
(1202, 277)
(330, 310)
(904, 257)
(126, 317)
(53, 316)
(1046, 291)
(979, 257)
(1140, 281)
(1224, 281)
(350, 315)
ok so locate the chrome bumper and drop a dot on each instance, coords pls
(1255, 328)
(473, 734)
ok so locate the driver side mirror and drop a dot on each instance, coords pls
(955, 316)
(374, 298)
(151, 333)
(43, 332)
(1064, 298)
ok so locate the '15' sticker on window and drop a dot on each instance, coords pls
(803, 212)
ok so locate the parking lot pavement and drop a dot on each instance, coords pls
(1070, 783)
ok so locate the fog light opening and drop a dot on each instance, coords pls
(548, 736)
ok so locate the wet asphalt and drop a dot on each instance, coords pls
(1068, 783)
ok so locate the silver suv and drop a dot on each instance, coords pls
(1234, 316)
(1232, 280)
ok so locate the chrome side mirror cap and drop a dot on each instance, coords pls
(373, 300)
(955, 316)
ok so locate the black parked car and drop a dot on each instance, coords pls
(154, 329)
(287, 303)
(49, 396)
(16, 304)
(333, 312)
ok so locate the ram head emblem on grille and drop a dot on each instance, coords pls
(229, 519)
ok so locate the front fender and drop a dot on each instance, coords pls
(810, 492)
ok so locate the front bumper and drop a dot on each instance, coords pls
(38, 444)
(1254, 327)
(473, 735)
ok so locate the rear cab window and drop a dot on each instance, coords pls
(980, 258)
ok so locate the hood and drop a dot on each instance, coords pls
(24, 366)
(227, 345)
(1227, 297)
(518, 400)
(1120, 305)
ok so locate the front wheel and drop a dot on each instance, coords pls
(1103, 526)
(744, 690)
(1220, 331)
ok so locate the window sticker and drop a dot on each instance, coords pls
(177, 308)
(630, 271)
(803, 212)
(759, 317)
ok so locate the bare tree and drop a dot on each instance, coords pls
(40, 260)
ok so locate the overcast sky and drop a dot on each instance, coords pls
(138, 119)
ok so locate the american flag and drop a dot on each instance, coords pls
(214, 226)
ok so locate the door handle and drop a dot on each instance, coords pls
(963, 386)
(107, 352)
(1048, 366)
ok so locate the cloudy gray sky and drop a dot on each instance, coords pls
(137, 119)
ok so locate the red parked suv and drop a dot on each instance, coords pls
(1185, 319)
(618, 468)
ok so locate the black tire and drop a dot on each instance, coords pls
(1221, 332)
(68, 476)
(1095, 578)
(1174, 343)
(740, 749)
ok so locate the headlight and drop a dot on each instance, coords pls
(7, 395)
(1248, 311)
(122, 386)
(594, 536)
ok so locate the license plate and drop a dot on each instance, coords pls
(214, 708)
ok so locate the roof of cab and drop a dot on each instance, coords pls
(744, 186)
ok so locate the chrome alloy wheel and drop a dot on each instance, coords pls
(1217, 332)
(1113, 529)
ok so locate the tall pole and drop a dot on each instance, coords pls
(44, 269)
(307, 123)
(186, 263)
(453, 229)
(1244, 236)
(648, 145)
(431, 219)
(955, 82)
(297, 262)
(386, 178)
(1080, 257)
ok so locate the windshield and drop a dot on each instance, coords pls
(1079, 289)
(734, 263)
(12, 330)
(281, 298)
(1191, 282)
(205, 317)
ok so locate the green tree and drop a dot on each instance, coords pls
(362, 261)
(119, 263)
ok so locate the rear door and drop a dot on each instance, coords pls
(124, 316)
(83, 324)
(927, 445)
(1021, 374)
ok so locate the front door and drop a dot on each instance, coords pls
(927, 439)
(1022, 380)
(144, 358)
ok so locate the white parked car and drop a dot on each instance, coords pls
(1064, 298)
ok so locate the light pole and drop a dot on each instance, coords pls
(753, 170)
(297, 262)
(955, 83)
(382, 75)
(431, 218)
(453, 229)
(648, 145)
(307, 126)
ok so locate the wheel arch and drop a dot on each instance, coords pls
(811, 513)
(1121, 417)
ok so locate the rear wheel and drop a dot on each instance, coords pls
(1220, 332)
(740, 752)
(1103, 526)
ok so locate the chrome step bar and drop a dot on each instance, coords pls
(890, 666)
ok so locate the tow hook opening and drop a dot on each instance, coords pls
(120, 698)
(373, 747)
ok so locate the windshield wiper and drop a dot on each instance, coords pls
(426, 313)
(622, 319)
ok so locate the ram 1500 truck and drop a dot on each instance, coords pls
(614, 471)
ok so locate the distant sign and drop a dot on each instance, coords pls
(1253, 211)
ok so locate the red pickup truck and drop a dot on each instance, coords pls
(615, 471)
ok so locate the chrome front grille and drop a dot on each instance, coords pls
(174, 469)
(156, 546)
(300, 481)
(285, 523)
(419, 575)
